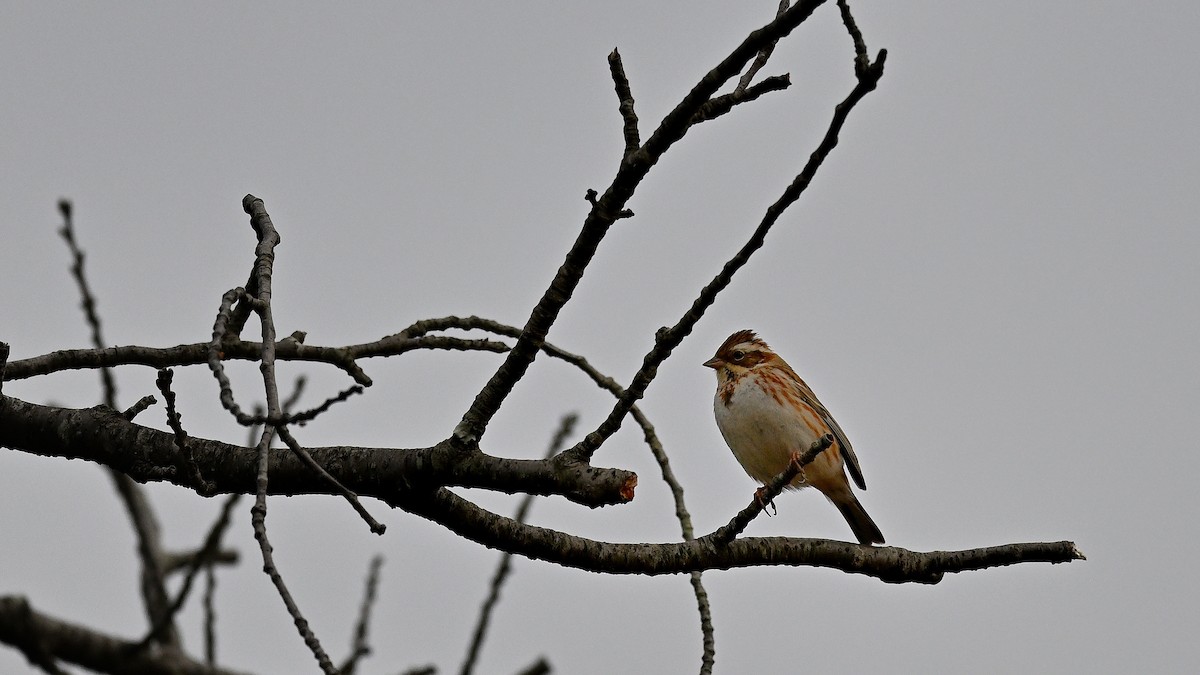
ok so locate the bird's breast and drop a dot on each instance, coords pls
(763, 426)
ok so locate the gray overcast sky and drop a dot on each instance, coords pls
(991, 283)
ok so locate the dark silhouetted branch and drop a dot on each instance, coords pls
(102, 436)
(141, 515)
(264, 261)
(603, 214)
(502, 570)
(25, 628)
(887, 563)
(625, 99)
(666, 339)
(360, 646)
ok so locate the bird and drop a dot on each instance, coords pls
(766, 413)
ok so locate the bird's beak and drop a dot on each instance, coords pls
(714, 363)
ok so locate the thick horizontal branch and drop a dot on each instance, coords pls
(105, 437)
(45, 639)
(888, 563)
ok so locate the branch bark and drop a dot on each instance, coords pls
(887, 563)
(44, 637)
(103, 436)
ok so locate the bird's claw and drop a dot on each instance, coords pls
(760, 497)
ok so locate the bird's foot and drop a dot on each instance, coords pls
(760, 496)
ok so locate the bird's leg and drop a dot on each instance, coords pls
(794, 463)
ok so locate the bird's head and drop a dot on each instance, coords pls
(740, 352)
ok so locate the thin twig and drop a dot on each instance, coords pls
(308, 415)
(243, 350)
(187, 459)
(767, 493)
(208, 606)
(565, 428)
(286, 436)
(258, 519)
(149, 544)
(861, 61)
(138, 408)
(203, 558)
(719, 105)
(666, 339)
(141, 515)
(210, 578)
(603, 214)
(761, 59)
(88, 301)
(264, 259)
(360, 647)
(216, 355)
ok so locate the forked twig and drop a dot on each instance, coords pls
(268, 238)
(666, 339)
(761, 59)
(603, 214)
(203, 558)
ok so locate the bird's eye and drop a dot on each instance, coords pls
(738, 355)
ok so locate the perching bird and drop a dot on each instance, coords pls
(766, 413)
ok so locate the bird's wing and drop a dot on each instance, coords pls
(847, 452)
(848, 455)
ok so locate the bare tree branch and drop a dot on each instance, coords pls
(146, 454)
(417, 480)
(666, 339)
(203, 557)
(722, 104)
(141, 514)
(4, 351)
(88, 301)
(603, 214)
(210, 615)
(293, 445)
(767, 493)
(264, 260)
(25, 628)
(888, 563)
(625, 98)
(198, 353)
(183, 560)
(187, 459)
(566, 425)
(761, 59)
(360, 648)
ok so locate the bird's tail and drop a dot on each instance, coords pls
(864, 528)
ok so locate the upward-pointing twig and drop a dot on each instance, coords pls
(141, 515)
(268, 238)
(604, 212)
